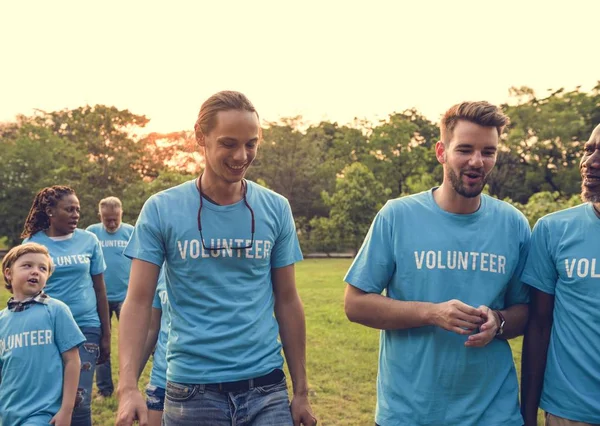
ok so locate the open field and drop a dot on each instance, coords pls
(341, 356)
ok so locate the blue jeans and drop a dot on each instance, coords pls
(88, 352)
(103, 371)
(155, 398)
(191, 405)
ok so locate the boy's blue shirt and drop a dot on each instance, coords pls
(32, 342)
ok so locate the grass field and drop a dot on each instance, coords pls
(341, 356)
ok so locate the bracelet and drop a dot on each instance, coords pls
(500, 330)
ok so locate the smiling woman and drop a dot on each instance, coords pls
(77, 281)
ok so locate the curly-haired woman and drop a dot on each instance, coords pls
(77, 281)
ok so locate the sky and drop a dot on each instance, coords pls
(324, 60)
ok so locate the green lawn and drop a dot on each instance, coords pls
(341, 356)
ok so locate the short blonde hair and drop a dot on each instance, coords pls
(110, 202)
(16, 252)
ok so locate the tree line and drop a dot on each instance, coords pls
(336, 177)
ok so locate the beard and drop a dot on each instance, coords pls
(462, 189)
(589, 196)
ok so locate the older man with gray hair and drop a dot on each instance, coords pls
(113, 236)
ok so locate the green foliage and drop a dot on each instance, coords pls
(544, 203)
(92, 149)
(401, 148)
(357, 198)
(545, 142)
(96, 150)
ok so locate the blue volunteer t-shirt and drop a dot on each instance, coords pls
(31, 366)
(416, 251)
(116, 275)
(222, 323)
(564, 261)
(158, 376)
(75, 260)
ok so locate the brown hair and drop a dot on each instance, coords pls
(482, 113)
(11, 257)
(225, 100)
(37, 219)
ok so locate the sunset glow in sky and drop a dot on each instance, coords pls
(324, 60)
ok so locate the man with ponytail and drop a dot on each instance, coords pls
(229, 248)
(77, 281)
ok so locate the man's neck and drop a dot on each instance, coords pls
(452, 202)
(221, 192)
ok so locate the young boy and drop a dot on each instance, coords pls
(35, 332)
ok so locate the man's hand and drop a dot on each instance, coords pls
(132, 406)
(62, 418)
(457, 316)
(487, 331)
(301, 412)
(104, 349)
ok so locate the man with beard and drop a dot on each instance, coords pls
(450, 262)
(561, 350)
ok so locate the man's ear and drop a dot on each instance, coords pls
(200, 138)
(440, 152)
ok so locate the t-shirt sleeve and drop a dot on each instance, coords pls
(374, 264)
(67, 334)
(517, 292)
(98, 265)
(146, 242)
(286, 250)
(540, 270)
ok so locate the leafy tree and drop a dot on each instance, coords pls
(288, 163)
(357, 198)
(545, 141)
(401, 148)
(544, 203)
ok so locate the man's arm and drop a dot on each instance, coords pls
(535, 350)
(151, 339)
(384, 313)
(133, 329)
(515, 318)
(72, 367)
(292, 330)
(103, 313)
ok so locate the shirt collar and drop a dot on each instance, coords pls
(19, 306)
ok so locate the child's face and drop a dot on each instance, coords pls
(28, 275)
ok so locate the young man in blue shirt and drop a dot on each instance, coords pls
(39, 340)
(448, 262)
(229, 247)
(561, 349)
(113, 235)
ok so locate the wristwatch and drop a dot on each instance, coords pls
(500, 330)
